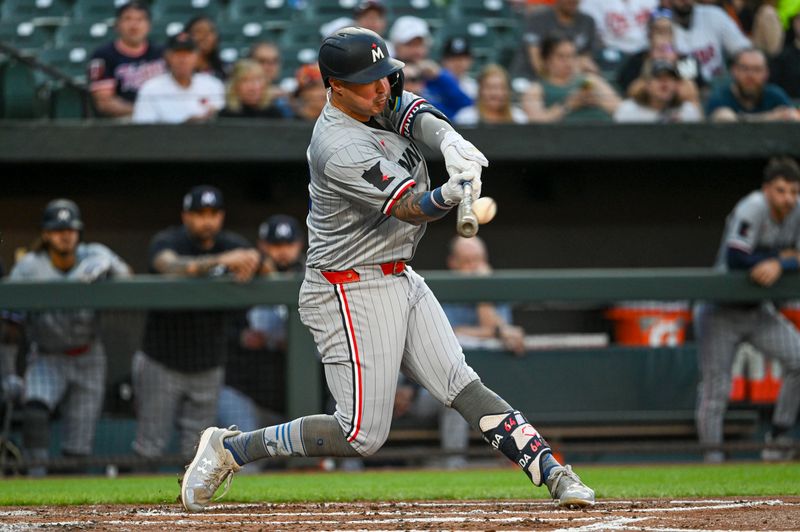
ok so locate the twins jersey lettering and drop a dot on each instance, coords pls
(109, 67)
(357, 173)
(750, 228)
(711, 35)
(622, 24)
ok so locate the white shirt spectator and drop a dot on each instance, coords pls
(632, 111)
(622, 24)
(162, 100)
(711, 34)
(469, 116)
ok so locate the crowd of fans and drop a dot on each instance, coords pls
(577, 60)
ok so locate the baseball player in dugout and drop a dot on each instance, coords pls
(761, 236)
(66, 362)
(178, 374)
(370, 314)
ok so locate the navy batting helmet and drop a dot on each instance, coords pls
(62, 214)
(357, 55)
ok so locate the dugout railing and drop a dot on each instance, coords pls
(653, 393)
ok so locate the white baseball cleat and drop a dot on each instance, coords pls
(213, 464)
(566, 487)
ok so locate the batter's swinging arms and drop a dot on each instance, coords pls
(371, 315)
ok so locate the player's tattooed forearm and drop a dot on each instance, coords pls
(409, 209)
(171, 263)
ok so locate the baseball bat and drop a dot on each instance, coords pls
(466, 222)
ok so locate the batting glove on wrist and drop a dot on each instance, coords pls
(453, 190)
(461, 156)
(92, 269)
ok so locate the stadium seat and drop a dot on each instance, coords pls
(295, 56)
(42, 12)
(18, 94)
(271, 13)
(89, 34)
(430, 10)
(488, 10)
(244, 33)
(71, 60)
(166, 11)
(301, 34)
(480, 35)
(159, 33)
(25, 36)
(327, 10)
(95, 10)
(67, 103)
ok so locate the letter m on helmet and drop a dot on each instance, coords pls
(377, 53)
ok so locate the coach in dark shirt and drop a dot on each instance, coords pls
(118, 69)
(179, 372)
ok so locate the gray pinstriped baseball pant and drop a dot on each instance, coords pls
(367, 331)
(720, 329)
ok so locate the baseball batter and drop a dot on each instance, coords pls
(762, 235)
(371, 315)
(66, 361)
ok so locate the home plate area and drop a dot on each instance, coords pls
(739, 514)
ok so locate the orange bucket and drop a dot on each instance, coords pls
(652, 324)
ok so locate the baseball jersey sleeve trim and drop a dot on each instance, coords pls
(399, 191)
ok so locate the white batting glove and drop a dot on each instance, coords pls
(92, 269)
(453, 190)
(461, 156)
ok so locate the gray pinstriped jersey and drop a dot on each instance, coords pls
(58, 331)
(357, 172)
(750, 228)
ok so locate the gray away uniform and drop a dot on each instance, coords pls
(722, 327)
(67, 360)
(371, 321)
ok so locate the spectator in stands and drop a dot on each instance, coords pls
(785, 69)
(468, 256)
(760, 238)
(371, 14)
(621, 24)
(246, 95)
(494, 104)
(563, 19)
(180, 95)
(203, 32)
(565, 94)
(118, 69)
(178, 374)
(659, 99)
(66, 367)
(750, 97)
(457, 60)
(412, 41)
(662, 48)
(247, 400)
(707, 33)
(268, 55)
(310, 96)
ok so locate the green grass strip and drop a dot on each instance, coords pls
(627, 482)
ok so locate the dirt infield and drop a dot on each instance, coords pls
(643, 515)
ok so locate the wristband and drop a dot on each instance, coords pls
(790, 264)
(432, 203)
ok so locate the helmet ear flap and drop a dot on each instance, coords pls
(396, 82)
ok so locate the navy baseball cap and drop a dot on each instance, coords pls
(62, 214)
(280, 229)
(203, 197)
(456, 46)
(181, 41)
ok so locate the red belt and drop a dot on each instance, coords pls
(75, 351)
(352, 276)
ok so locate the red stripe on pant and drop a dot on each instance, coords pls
(358, 409)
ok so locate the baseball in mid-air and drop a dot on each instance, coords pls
(484, 209)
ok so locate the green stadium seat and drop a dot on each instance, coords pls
(481, 36)
(293, 57)
(244, 33)
(25, 36)
(165, 11)
(95, 10)
(159, 33)
(488, 10)
(89, 34)
(327, 10)
(18, 94)
(42, 12)
(430, 10)
(71, 60)
(271, 13)
(68, 103)
(301, 34)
